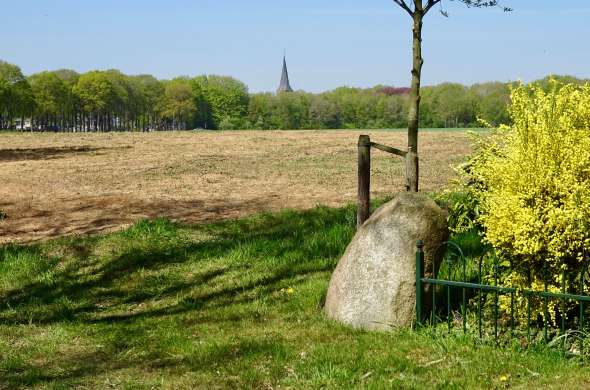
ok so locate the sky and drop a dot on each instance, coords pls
(329, 43)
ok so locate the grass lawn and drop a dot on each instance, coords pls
(235, 304)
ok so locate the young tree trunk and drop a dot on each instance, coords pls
(414, 109)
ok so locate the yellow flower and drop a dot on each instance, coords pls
(533, 183)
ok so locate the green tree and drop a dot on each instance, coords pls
(547, 83)
(97, 95)
(178, 105)
(390, 109)
(15, 95)
(117, 113)
(50, 94)
(324, 113)
(220, 98)
(292, 111)
(71, 110)
(347, 100)
(452, 105)
(151, 91)
(260, 110)
(492, 102)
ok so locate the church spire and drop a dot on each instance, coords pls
(285, 86)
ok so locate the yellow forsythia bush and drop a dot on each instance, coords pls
(532, 183)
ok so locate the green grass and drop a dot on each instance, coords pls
(228, 305)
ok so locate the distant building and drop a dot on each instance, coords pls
(284, 86)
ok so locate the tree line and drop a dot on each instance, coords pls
(64, 100)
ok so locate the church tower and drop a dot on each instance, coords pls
(284, 86)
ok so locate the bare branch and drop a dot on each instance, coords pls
(431, 3)
(403, 4)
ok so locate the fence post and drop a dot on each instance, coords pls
(419, 276)
(412, 171)
(364, 179)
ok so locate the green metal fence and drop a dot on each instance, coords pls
(480, 290)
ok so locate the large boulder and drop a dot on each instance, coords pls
(374, 284)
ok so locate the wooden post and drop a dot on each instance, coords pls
(411, 171)
(364, 180)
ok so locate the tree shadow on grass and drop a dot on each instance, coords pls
(48, 153)
(93, 288)
(99, 214)
(241, 261)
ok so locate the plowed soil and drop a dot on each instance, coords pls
(58, 184)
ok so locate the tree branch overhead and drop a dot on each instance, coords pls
(405, 6)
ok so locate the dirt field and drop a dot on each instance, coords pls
(57, 184)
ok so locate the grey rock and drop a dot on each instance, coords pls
(373, 285)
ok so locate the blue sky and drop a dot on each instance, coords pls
(329, 42)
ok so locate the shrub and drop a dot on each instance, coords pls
(227, 124)
(462, 208)
(532, 183)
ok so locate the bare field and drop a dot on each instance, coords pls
(58, 184)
